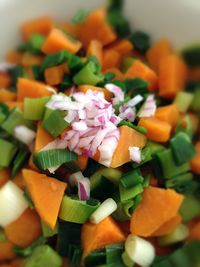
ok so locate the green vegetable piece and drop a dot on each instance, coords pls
(34, 108)
(67, 82)
(88, 75)
(14, 119)
(179, 181)
(136, 202)
(183, 100)
(74, 210)
(109, 76)
(74, 255)
(2, 118)
(126, 63)
(19, 160)
(52, 158)
(124, 211)
(95, 258)
(53, 60)
(7, 152)
(54, 122)
(140, 129)
(113, 175)
(130, 193)
(196, 101)
(113, 254)
(168, 166)
(155, 147)
(131, 178)
(190, 208)
(141, 41)
(15, 73)
(182, 148)
(42, 256)
(47, 231)
(80, 16)
(145, 156)
(191, 55)
(2, 236)
(136, 86)
(36, 42)
(185, 125)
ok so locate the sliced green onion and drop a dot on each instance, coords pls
(95, 258)
(104, 210)
(74, 255)
(12, 203)
(139, 250)
(108, 77)
(183, 101)
(19, 160)
(47, 231)
(179, 181)
(113, 254)
(155, 147)
(34, 107)
(7, 152)
(190, 208)
(126, 63)
(182, 148)
(25, 252)
(136, 202)
(196, 100)
(88, 75)
(131, 178)
(185, 125)
(2, 118)
(2, 235)
(146, 156)
(36, 41)
(52, 158)
(141, 41)
(43, 255)
(124, 211)
(140, 129)
(191, 55)
(16, 118)
(54, 122)
(179, 234)
(111, 174)
(67, 82)
(102, 188)
(130, 193)
(74, 210)
(15, 73)
(80, 16)
(127, 260)
(53, 60)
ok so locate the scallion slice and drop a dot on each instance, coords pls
(131, 178)
(19, 160)
(130, 193)
(34, 107)
(47, 231)
(183, 101)
(7, 152)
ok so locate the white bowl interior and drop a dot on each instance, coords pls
(178, 20)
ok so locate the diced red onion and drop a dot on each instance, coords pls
(71, 115)
(75, 177)
(24, 134)
(134, 101)
(79, 126)
(149, 107)
(135, 154)
(128, 114)
(117, 91)
(84, 189)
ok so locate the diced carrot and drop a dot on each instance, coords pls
(111, 59)
(169, 113)
(169, 226)
(139, 70)
(58, 40)
(81, 162)
(32, 89)
(6, 251)
(96, 27)
(54, 75)
(19, 180)
(195, 162)
(28, 60)
(46, 193)
(157, 52)
(118, 74)
(158, 206)
(42, 25)
(5, 80)
(157, 130)
(26, 229)
(172, 76)
(67, 27)
(84, 88)
(6, 95)
(94, 236)
(42, 138)
(195, 231)
(95, 48)
(14, 57)
(124, 47)
(15, 104)
(128, 137)
(4, 176)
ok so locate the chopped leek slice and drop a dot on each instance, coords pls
(183, 100)
(196, 101)
(141, 41)
(7, 152)
(130, 193)
(19, 160)
(34, 108)
(131, 178)
(123, 212)
(47, 231)
(111, 174)
(190, 208)
(52, 158)
(74, 210)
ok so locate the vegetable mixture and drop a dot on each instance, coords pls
(99, 146)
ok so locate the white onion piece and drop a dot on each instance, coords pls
(135, 154)
(75, 177)
(104, 210)
(12, 203)
(149, 107)
(24, 134)
(139, 250)
(134, 101)
(5, 66)
(84, 189)
(117, 91)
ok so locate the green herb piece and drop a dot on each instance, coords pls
(196, 101)
(183, 101)
(109, 76)
(54, 122)
(191, 55)
(124, 211)
(95, 258)
(34, 107)
(115, 4)
(52, 158)
(4, 112)
(36, 42)
(47, 231)
(130, 193)
(7, 152)
(80, 16)
(20, 159)
(43, 255)
(118, 22)
(131, 178)
(190, 208)
(77, 211)
(88, 75)
(141, 41)
(38, 75)
(182, 148)
(25, 252)
(14, 119)
(140, 129)
(53, 60)
(136, 86)
(66, 83)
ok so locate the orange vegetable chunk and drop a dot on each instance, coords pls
(6, 251)
(54, 75)
(95, 48)
(111, 59)
(158, 206)
(5, 80)
(4, 176)
(42, 138)
(195, 162)
(6, 95)
(84, 88)
(169, 113)
(46, 193)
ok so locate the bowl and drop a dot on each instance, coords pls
(176, 20)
